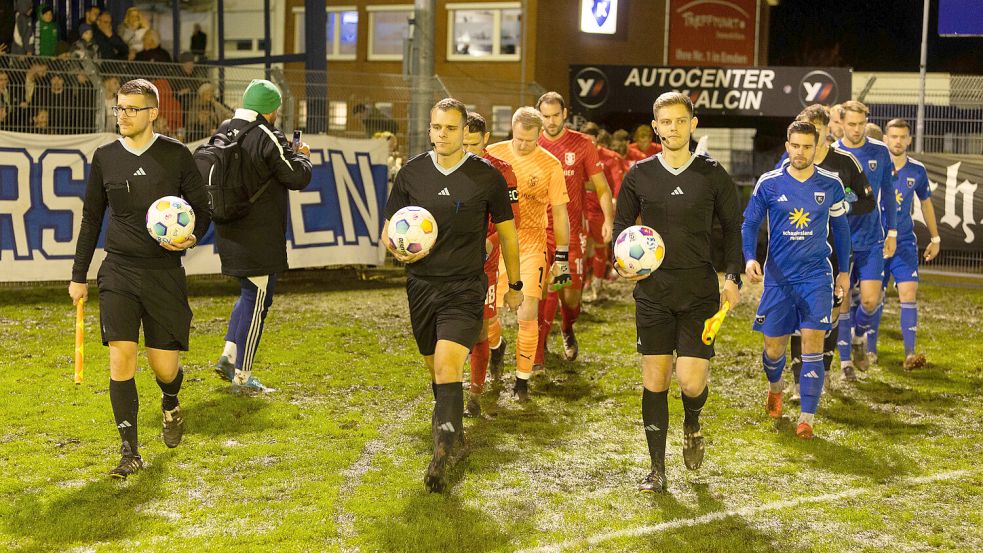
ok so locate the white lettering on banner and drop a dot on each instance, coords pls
(967, 189)
(18, 207)
(368, 207)
(75, 163)
(302, 236)
(697, 77)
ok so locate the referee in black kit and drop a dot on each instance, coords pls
(446, 287)
(678, 194)
(140, 281)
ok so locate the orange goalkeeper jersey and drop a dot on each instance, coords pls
(541, 185)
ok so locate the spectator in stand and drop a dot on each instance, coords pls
(132, 30)
(40, 120)
(6, 94)
(110, 85)
(85, 48)
(395, 162)
(111, 46)
(206, 114)
(199, 42)
(5, 123)
(189, 80)
(83, 97)
(643, 147)
(23, 39)
(35, 84)
(89, 17)
(46, 34)
(60, 105)
(152, 50)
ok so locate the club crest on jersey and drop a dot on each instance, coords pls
(570, 158)
(872, 163)
(820, 197)
(911, 182)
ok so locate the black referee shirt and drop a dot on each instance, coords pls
(128, 182)
(461, 200)
(680, 205)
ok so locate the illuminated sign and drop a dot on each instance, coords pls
(599, 16)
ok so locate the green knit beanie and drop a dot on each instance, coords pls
(261, 96)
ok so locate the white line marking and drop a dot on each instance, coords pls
(353, 476)
(746, 511)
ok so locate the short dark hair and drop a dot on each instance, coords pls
(802, 127)
(667, 99)
(813, 113)
(898, 123)
(451, 104)
(476, 123)
(551, 98)
(142, 87)
(591, 128)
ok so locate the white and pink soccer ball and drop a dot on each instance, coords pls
(412, 230)
(639, 250)
(170, 220)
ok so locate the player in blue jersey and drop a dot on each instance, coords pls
(803, 204)
(910, 180)
(874, 239)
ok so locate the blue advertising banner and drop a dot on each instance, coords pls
(334, 221)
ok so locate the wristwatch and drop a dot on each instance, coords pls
(735, 278)
(517, 285)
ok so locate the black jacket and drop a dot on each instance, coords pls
(257, 244)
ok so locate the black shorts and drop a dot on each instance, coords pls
(671, 307)
(446, 310)
(156, 297)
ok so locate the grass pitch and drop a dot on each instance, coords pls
(334, 459)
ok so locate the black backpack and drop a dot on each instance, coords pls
(228, 175)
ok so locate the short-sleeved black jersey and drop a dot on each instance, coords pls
(128, 183)
(461, 199)
(680, 205)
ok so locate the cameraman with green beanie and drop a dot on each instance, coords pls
(254, 248)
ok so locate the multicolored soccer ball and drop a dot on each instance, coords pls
(170, 220)
(639, 250)
(412, 230)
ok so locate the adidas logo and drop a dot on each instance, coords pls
(810, 374)
(824, 320)
(124, 424)
(915, 274)
(913, 328)
(677, 192)
(652, 428)
(639, 341)
(782, 198)
(140, 172)
(444, 192)
(842, 343)
(446, 427)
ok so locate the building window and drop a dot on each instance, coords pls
(341, 32)
(388, 26)
(337, 115)
(501, 120)
(487, 31)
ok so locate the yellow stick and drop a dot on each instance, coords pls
(79, 340)
(712, 325)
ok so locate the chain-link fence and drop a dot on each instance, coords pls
(953, 108)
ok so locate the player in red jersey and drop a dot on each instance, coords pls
(643, 147)
(615, 166)
(578, 156)
(475, 139)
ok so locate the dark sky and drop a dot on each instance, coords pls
(867, 35)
